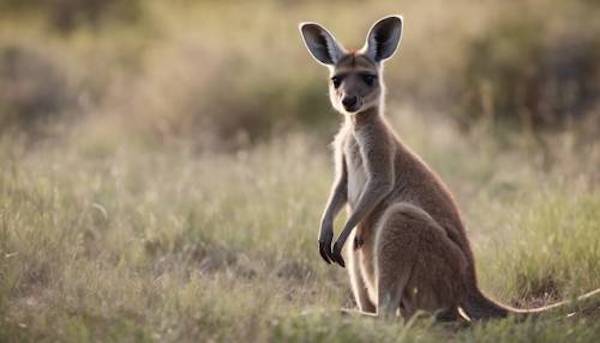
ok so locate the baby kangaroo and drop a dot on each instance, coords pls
(410, 250)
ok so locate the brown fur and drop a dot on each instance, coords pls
(410, 250)
(405, 256)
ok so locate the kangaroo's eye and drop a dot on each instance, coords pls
(369, 79)
(336, 81)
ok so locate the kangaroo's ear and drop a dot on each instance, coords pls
(321, 44)
(383, 38)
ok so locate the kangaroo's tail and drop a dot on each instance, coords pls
(478, 306)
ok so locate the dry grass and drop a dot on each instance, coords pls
(169, 244)
(172, 190)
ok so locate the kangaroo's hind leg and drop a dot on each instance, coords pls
(417, 265)
(394, 261)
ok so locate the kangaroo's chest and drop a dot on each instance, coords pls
(357, 175)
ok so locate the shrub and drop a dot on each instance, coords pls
(34, 86)
(519, 73)
(65, 15)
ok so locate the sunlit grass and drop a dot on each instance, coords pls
(171, 244)
(175, 191)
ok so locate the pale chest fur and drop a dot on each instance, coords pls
(357, 175)
(349, 148)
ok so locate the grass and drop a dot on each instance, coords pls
(168, 244)
(162, 179)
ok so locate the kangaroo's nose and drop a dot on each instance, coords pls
(350, 102)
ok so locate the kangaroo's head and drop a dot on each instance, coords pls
(356, 84)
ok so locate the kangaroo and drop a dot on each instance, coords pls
(410, 250)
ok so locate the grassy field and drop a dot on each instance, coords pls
(163, 180)
(171, 245)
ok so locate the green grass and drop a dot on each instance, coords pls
(167, 244)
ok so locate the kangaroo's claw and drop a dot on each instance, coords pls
(336, 254)
(324, 250)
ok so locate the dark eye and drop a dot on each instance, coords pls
(369, 79)
(336, 81)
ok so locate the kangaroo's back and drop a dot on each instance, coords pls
(422, 187)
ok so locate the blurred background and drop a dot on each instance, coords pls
(226, 74)
(164, 164)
